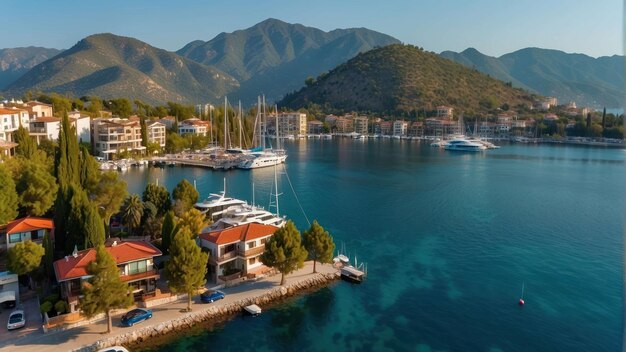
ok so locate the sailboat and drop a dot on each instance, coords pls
(264, 157)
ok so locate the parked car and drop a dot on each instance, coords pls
(16, 320)
(211, 295)
(114, 349)
(135, 316)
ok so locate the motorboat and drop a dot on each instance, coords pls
(464, 145)
(244, 214)
(487, 144)
(216, 204)
(352, 274)
(253, 310)
(262, 159)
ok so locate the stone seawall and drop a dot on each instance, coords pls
(189, 319)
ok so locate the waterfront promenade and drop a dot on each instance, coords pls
(83, 336)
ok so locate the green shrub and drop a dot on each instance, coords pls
(45, 307)
(60, 307)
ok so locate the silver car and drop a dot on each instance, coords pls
(16, 320)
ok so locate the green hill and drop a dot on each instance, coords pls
(111, 66)
(15, 62)
(405, 79)
(569, 77)
(274, 57)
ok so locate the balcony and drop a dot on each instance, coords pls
(139, 276)
(252, 251)
(37, 130)
(225, 256)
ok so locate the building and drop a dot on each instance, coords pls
(386, 127)
(292, 123)
(444, 112)
(115, 135)
(156, 133)
(7, 148)
(361, 124)
(82, 123)
(400, 128)
(550, 118)
(25, 229)
(416, 129)
(344, 125)
(11, 119)
(315, 127)
(48, 127)
(204, 109)
(236, 249)
(135, 260)
(34, 108)
(193, 126)
(168, 121)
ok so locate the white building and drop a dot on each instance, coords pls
(360, 124)
(400, 128)
(10, 120)
(193, 126)
(82, 123)
(111, 136)
(292, 123)
(35, 108)
(156, 133)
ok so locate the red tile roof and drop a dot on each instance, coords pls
(46, 119)
(123, 252)
(244, 233)
(27, 224)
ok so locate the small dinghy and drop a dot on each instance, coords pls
(252, 309)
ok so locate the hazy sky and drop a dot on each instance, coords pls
(494, 27)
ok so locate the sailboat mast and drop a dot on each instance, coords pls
(265, 121)
(240, 126)
(211, 123)
(225, 121)
(277, 129)
(276, 190)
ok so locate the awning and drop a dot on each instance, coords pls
(7, 296)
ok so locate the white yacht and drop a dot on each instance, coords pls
(487, 144)
(216, 204)
(244, 214)
(464, 145)
(262, 159)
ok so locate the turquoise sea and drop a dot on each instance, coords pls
(449, 239)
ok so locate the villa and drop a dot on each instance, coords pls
(25, 229)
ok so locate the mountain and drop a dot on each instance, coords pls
(274, 57)
(568, 77)
(405, 79)
(14, 62)
(112, 66)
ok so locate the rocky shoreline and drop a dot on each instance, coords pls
(188, 320)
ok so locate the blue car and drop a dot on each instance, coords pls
(211, 295)
(135, 316)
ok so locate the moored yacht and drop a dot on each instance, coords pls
(243, 214)
(216, 204)
(464, 145)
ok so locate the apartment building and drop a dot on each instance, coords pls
(114, 135)
(156, 132)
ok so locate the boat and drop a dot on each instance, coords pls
(464, 145)
(216, 204)
(261, 157)
(253, 310)
(244, 214)
(487, 144)
(352, 274)
(122, 166)
(438, 143)
(327, 136)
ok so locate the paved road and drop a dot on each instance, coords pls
(85, 335)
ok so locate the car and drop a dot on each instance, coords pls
(16, 320)
(114, 349)
(211, 295)
(135, 316)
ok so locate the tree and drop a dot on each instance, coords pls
(168, 230)
(284, 250)
(48, 257)
(89, 172)
(132, 211)
(186, 269)
(109, 195)
(78, 224)
(193, 220)
(186, 194)
(159, 196)
(8, 194)
(309, 81)
(26, 146)
(94, 227)
(36, 187)
(105, 290)
(319, 243)
(24, 257)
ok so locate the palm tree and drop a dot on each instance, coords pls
(132, 211)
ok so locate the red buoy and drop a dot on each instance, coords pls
(521, 302)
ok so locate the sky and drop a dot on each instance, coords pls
(494, 27)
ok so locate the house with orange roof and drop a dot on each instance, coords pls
(25, 229)
(193, 126)
(135, 260)
(236, 248)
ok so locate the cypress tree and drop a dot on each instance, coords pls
(168, 231)
(94, 227)
(27, 146)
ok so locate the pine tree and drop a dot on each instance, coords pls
(109, 196)
(8, 194)
(186, 194)
(24, 257)
(194, 221)
(105, 290)
(186, 269)
(168, 231)
(284, 250)
(36, 187)
(319, 243)
(159, 196)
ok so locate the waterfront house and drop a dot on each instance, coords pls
(194, 126)
(385, 127)
(344, 125)
(156, 133)
(400, 128)
(135, 260)
(292, 123)
(315, 127)
(236, 250)
(416, 129)
(360, 124)
(114, 135)
(25, 229)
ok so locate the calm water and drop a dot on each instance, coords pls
(449, 238)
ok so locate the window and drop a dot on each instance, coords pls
(263, 240)
(34, 235)
(137, 267)
(251, 244)
(15, 237)
(252, 261)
